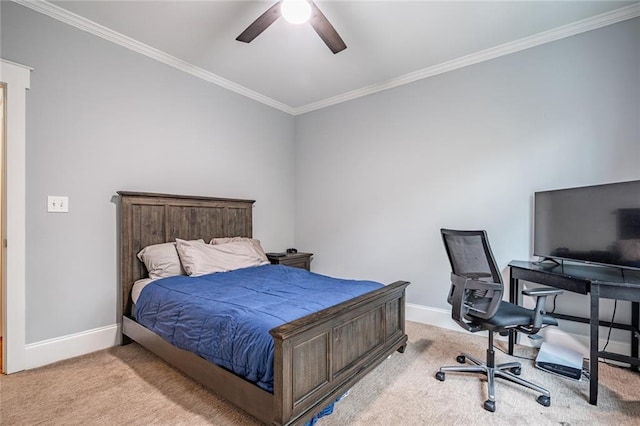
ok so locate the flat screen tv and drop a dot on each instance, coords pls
(596, 224)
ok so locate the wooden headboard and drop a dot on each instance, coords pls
(147, 218)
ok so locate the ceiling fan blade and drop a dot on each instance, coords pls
(260, 24)
(325, 30)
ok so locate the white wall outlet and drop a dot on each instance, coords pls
(57, 204)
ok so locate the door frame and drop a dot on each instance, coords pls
(17, 79)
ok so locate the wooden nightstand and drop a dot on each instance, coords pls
(297, 260)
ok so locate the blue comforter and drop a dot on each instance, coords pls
(226, 317)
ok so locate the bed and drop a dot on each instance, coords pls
(316, 358)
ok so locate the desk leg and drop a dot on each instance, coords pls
(593, 344)
(635, 320)
(513, 298)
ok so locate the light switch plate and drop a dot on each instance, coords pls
(57, 204)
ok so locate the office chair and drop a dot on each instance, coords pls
(477, 305)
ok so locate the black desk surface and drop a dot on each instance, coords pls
(602, 275)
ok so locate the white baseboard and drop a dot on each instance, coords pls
(432, 316)
(72, 345)
(556, 335)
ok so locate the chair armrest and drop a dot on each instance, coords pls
(462, 289)
(540, 294)
(541, 291)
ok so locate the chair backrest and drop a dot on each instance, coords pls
(470, 254)
(472, 263)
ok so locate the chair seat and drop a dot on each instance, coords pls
(509, 315)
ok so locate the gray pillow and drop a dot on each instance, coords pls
(199, 258)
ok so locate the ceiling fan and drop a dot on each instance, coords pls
(318, 21)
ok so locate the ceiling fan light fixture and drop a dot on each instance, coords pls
(295, 11)
(316, 18)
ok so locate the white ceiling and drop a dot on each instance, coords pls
(289, 67)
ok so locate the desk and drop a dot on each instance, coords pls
(598, 282)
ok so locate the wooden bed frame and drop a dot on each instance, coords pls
(317, 358)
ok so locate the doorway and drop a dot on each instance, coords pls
(16, 80)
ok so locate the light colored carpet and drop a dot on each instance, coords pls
(129, 385)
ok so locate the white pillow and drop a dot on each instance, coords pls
(199, 258)
(256, 244)
(161, 260)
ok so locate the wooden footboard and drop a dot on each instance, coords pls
(319, 357)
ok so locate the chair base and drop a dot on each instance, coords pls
(509, 371)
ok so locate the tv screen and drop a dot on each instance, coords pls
(598, 224)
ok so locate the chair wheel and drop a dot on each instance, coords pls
(490, 405)
(461, 359)
(440, 376)
(516, 370)
(544, 400)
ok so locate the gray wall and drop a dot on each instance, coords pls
(377, 177)
(100, 119)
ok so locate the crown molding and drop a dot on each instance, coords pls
(70, 18)
(578, 27)
(595, 22)
(15, 64)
